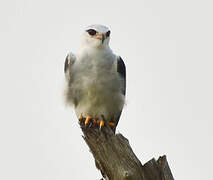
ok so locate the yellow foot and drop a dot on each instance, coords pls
(101, 124)
(111, 124)
(81, 118)
(88, 119)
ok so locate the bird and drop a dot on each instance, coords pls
(95, 79)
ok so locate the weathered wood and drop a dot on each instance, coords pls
(116, 160)
(157, 170)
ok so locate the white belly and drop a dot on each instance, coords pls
(99, 91)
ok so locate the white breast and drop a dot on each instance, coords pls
(97, 86)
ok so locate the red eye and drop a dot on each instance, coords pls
(108, 34)
(91, 32)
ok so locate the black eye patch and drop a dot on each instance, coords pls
(91, 32)
(108, 34)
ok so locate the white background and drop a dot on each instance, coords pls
(167, 47)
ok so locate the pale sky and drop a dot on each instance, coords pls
(167, 47)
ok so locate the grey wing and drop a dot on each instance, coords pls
(69, 61)
(121, 69)
(68, 70)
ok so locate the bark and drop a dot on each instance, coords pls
(116, 160)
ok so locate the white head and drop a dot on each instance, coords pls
(96, 36)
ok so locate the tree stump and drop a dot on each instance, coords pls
(116, 160)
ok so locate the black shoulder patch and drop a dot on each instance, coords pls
(66, 64)
(121, 69)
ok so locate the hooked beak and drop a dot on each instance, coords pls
(102, 38)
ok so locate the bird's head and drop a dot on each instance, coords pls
(96, 36)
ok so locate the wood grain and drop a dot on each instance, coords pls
(116, 160)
